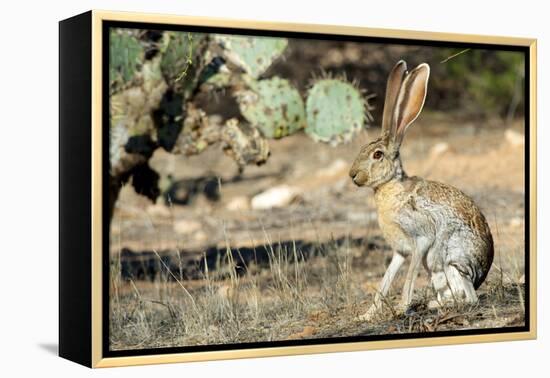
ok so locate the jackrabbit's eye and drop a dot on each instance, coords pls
(377, 155)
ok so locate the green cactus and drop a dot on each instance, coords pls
(244, 145)
(132, 109)
(335, 111)
(198, 132)
(182, 59)
(126, 55)
(133, 106)
(220, 80)
(253, 55)
(272, 105)
(156, 81)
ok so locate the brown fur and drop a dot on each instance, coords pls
(427, 220)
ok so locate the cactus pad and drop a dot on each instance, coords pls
(335, 111)
(254, 55)
(131, 114)
(133, 106)
(273, 105)
(182, 59)
(245, 145)
(126, 56)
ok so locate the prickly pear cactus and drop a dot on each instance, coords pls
(132, 109)
(253, 55)
(335, 111)
(156, 82)
(126, 55)
(199, 131)
(121, 160)
(244, 145)
(272, 105)
(182, 60)
(219, 80)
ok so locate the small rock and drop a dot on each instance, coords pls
(306, 332)
(439, 149)
(514, 138)
(213, 329)
(200, 236)
(516, 222)
(309, 331)
(318, 316)
(352, 54)
(158, 210)
(340, 185)
(334, 169)
(185, 226)
(240, 203)
(362, 216)
(333, 57)
(278, 196)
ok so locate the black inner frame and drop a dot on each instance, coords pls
(106, 25)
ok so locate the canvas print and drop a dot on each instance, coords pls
(268, 188)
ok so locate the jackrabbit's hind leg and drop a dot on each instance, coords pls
(460, 285)
(440, 286)
(452, 287)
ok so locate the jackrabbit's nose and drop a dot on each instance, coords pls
(352, 173)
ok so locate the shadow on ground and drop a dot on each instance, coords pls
(147, 265)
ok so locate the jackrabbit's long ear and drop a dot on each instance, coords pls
(410, 101)
(395, 79)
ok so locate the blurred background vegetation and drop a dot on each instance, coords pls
(485, 82)
(467, 83)
(183, 91)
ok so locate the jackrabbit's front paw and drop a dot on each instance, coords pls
(369, 315)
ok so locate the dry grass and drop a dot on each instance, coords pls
(293, 297)
(232, 303)
(290, 292)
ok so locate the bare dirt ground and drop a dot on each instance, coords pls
(207, 267)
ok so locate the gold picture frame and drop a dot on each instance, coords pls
(80, 274)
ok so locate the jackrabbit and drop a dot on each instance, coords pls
(433, 223)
